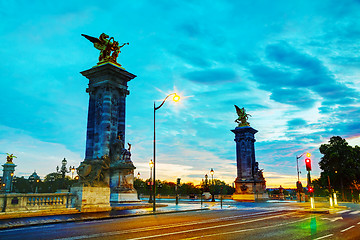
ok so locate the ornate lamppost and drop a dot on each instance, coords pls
(11, 181)
(176, 98)
(72, 169)
(63, 170)
(213, 187)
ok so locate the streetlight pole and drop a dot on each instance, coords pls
(298, 184)
(176, 98)
(212, 183)
(11, 181)
(151, 164)
(72, 169)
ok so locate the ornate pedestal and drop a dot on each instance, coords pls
(250, 183)
(122, 184)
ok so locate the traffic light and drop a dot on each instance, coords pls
(308, 164)
(310, 189)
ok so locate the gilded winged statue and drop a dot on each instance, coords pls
(10, 157)
(109, 48)
(243, 117)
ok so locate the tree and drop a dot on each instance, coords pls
(341, 163)
(22, 185)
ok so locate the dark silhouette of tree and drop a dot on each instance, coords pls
(341, 163)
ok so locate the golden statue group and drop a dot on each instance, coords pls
(109, 48)
(242, 117)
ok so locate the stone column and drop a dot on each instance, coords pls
(106, 131)
(106, 116)
(8, 170)
(249, 183)
(245, 152)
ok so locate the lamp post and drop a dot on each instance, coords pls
(298, 184)
(212, 183)
(72, 169)
(176, 98)
(151, 164)
(63, 170)
(138, 175)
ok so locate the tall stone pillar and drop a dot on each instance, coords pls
(107, 163)
(249, 183)
(106, 115)
(8, 174)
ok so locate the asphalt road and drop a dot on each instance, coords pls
(252, 222)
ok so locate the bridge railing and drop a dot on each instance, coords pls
(15, 202)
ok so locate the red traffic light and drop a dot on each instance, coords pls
(310, 190)
(308, 164)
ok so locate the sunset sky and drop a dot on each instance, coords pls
(293, 65)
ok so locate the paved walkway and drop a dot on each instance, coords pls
(163, 206)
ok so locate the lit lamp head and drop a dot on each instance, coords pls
(176, 98)
(212, 172)
(151, 163)
(64, 162)
(11, 174)
(73, 169)
(308, 155)
(138, 175)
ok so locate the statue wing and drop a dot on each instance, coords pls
(238, 111)
(91, 39)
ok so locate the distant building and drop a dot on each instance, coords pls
(33, 177)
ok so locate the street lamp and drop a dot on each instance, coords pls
(151, 164)
(11, 181)
(63, 170)
(212, 176)
(212, 183)
(176, 98)
(72, 169)
(138, 175)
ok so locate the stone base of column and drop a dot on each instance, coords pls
(91, 199)
(122, 184)
(250, 191)
(119, 198)
(250, 197)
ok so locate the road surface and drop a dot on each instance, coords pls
(256, 222)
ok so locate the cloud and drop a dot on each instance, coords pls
(299, 79)
(212, 76)
(296, 123)
(301, 99)
(33, 154)
(192, 54)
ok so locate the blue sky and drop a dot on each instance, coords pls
(294, 65)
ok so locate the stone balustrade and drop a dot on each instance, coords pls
(15, 202)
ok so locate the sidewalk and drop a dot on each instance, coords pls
(14, 220)
(163, 206)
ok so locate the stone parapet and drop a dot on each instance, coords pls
(19, 202)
